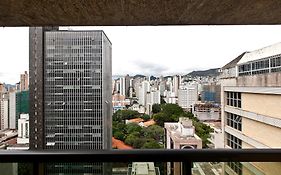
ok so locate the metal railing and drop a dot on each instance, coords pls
(187, 156)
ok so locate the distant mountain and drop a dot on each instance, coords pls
(204, 73)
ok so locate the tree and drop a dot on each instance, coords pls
(152, 144)
(122, 115)
(156, 108)
(130, 139)
(145, 117)
(119, 135)
(160, 118)
(133, 127)
(170, 109)
(154, 132)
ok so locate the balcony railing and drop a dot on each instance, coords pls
(187, 156)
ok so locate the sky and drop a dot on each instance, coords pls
(152, 50)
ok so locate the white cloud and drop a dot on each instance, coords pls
(169, 49)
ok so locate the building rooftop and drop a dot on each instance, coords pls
(233, 62)
(119, 144)
(264, 52)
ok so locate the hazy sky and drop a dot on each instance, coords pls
(152, 50)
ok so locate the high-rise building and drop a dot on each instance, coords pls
(250, 96)
(143, 89)
(152, 97)
(12, 110)
(176, 84)
(127, 85)
(187, 96)
(22, 104)
(70, 90)
(123, 86)
(4, 112)
(24, 81)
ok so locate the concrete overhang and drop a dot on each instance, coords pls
(138, 12)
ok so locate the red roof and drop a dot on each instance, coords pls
(119, 144)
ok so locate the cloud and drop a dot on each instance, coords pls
(149, 68)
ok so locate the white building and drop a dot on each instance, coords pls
(143, 89)
(123, 86)
(188, 96)
(12, 110)
(170, 97)
(153, 97)
(176, 84)
(23, 129)
(4, 103)
(143, 168)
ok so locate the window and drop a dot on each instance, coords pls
(233, 142)
(234, 121)
(234, 99)
(236, 167)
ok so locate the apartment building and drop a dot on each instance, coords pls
(251, 113)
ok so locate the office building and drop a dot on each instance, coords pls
(251, 95)
(24, 81)
(73, 111)
(70, 93)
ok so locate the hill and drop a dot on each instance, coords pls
(204, 73)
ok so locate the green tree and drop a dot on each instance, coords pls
(156, 108)
(130, 139)
(122, 115)
(172, 109)
(119, 135)
(145, 117)
(154, 132)
(160, 118)
(133, 127)
(152, 144)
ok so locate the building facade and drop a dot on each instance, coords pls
(23, 129)
(24, 81)
(12, 110)
(188, 96)
(251, 100)
(22, 104)
(71, 104)
(180, 135)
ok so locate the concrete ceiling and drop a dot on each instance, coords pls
(138, 12)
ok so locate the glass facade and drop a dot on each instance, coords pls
(261, 66)
(22, 104)
(75, 93)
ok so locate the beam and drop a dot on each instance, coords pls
(138, 12)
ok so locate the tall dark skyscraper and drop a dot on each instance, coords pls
(70, 89)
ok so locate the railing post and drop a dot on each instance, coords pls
(187, 168)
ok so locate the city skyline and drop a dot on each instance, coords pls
(189, 48)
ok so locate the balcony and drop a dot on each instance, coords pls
(192, 160)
